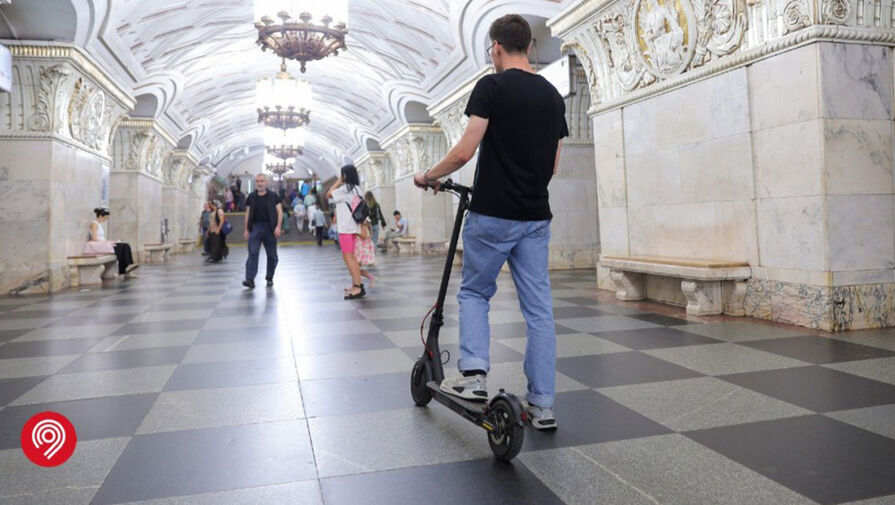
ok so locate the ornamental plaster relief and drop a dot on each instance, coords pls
(54, 97)
(415, 148)
(632, 49)
(141, 145)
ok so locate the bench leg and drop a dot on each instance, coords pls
(90, 275)
(629, 286)
(703, 297)
(734, 293)
(110, 271)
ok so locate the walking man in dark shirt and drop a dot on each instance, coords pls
(517, 120)
(264, 221)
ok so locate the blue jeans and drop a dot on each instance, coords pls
(375, 234)
(488, 242)
(261, 234)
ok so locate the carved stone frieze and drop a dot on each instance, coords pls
(50, 99)
(141, 145)
(632, 49)
(89, 116)
(415, 148)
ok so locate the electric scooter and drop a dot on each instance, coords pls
(503, 416)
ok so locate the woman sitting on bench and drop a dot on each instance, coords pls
(97, 244)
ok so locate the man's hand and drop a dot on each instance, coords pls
(245, 234)
(420, 180)
(277, 232)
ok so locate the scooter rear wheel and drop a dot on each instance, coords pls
(508, 435)
(418, 388)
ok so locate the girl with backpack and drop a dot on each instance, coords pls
(351, 210)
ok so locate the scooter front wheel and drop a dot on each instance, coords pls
(419, 390)
(508, 434)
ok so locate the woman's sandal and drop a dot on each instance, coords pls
(355, 296)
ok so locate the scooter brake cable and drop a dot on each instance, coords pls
(423, 324)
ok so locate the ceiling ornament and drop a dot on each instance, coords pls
(305, 30)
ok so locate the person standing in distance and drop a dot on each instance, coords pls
(517, 120)
(264, 221)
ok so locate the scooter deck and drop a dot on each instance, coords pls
(475, 412)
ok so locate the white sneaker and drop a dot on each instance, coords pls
(469, 388)
(541, 418)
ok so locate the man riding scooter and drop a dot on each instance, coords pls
(517, 121)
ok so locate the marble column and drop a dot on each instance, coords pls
(765, 139)
(413, 148)
(55, 129)
(177, 172)
(139, 151)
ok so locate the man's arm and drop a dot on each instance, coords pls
(279, 230)
(556, 162)
(459, 155)
(248, 220)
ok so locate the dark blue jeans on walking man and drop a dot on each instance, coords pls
(261, 234)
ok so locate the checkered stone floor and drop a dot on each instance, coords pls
(186, 389)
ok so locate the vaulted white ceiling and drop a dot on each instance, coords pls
(193, 64)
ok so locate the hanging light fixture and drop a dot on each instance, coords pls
(284, 144)
(302, 30)
(283, 102)
(278, 166)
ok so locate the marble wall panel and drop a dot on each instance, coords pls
(665, 290)
(787, 160)
(169, 211)
(855, 81)
(713, 108)
(783, 89)
(791, 232)
(857, 156)
(149, 197)
(654, 177)
(408, 200)
(609, 141)
(861, 232)
(614, 231)
(717, 170)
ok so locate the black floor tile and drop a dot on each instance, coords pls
(572, 312)
(95, 418)
(621, 368)
(654, 338)
(260, 310)
(10, 389)
(341, 343)
(821, 458)
(198, 461)
(34, 314)
(481, 481)
(587, 417)
(168, 307)
(232, 373)
(819, 350)
(35, 348)
(579, 300)
(91, 320)
(356, 395)
(117, 360)
(817, 388)
(160, 326)
(660, 319)
(254, 334)
(408, 323)
(7, 335)
(502, 331)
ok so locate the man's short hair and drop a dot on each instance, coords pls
(512, 32)
(396, 213)
(261, 175)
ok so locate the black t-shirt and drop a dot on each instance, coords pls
(260, 206)
(526, 119)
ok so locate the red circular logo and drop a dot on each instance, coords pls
(49, 439)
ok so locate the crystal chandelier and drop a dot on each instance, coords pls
(302, 30)
(283, 102)
(277, 166)
(284, 145)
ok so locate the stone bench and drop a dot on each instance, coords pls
(157, 253)
(186, 245)
(710, 286)
(405, 245)
(91, 269)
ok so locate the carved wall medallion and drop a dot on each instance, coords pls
(795, 15)
(88, 115)
(665, 32)
(835, 12)
(618, 39)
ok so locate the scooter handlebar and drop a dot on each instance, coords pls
(449, 185)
